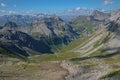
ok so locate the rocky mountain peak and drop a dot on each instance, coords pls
(115, 14)
(49, 25)
(100, 15)
(57, 18)
(96, 12)
(52, 19)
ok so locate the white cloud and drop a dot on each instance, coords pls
(3, 5)
(78, 11)
(11, 12)
(107, 2)
(78, 8)
(6, 12)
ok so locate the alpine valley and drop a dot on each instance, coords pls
(51, 47)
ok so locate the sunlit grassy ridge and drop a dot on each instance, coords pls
(53, 57)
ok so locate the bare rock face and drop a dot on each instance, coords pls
(114, 25)
(115, 14)
(113, 28)
(100, 15)
(52, 26)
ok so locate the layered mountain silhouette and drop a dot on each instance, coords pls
(41, 35)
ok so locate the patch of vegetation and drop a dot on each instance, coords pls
(97, 53)
(86, 63)
(34, 34)
(43, 57)
(57, 48)
(67, 55)
(53, 57)
(111, 74)
(74, 44)
(112, 60)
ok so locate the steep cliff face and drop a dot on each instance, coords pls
(101, 16)
(114, 28)
(52, 26)
(115, 14)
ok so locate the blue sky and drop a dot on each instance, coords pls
(53, 6)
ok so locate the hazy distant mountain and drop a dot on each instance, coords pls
(22, 20)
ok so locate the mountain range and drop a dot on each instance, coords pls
(24, 33)
(84, 48)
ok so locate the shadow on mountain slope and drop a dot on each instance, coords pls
(96, 57)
